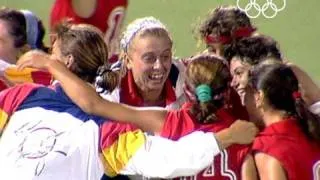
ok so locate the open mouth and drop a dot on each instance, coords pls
(156, 78)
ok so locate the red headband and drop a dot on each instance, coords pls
(239, 33)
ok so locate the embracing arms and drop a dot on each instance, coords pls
(89, 101)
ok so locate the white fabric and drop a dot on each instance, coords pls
(54, 145)
(49, 145)
(114, 96)
(3, 66)
(315, 108)
(163, 158)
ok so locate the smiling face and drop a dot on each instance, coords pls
(150, 59)
(240, 73)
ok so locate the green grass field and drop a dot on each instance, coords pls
(297, 27)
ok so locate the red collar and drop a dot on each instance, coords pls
(129, 93)
(288, 127)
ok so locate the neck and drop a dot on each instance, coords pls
(272, 116)
(151, 97)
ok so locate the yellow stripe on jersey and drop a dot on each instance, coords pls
(116, 156)
(3, 120)
(13, 75)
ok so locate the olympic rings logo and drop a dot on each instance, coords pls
(269, 4)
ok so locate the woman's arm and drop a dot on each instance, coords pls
(84, 8)
(163, 158)
(154, 156)
(248, 169)
(269, 168)
(310, 90)
(88, 100)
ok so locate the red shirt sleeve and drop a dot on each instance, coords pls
(178, 123)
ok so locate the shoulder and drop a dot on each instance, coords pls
(178, 123)
(269, 167)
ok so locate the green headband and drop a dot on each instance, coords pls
(203, 93)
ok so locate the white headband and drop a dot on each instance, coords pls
(137, 26)
(32, 28)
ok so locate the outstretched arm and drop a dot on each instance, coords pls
(134, 152)
(149, 120)
(88, 100)
(163, 158)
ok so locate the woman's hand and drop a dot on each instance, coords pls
(310, 90)
(240, 132)
(34, 59)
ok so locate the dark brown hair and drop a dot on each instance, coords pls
(279, 85)
(223, 21)
(254, 49)
(16, 25)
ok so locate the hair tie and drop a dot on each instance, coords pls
(203, 93)
(102, 69)
(296, 95)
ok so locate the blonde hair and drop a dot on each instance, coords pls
(211, 71)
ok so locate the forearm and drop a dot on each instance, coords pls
(89, 101)
(147, 119)
(224, 139)
(175, 158)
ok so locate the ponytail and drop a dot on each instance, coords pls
(207, 104)
(106, 80)
(309, 122)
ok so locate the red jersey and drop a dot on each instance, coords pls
(225, 166)
(129, 92)
(286, 142)
(108, 17)
(3, 85)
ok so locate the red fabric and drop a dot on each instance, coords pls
(129, 93)
(286, 142)
(107, 16)
(181, 122)
(3, 85)
(239, 33)
(41, 77)
(296, 95)
(11, 98)
(111, 130)
(63, 8)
